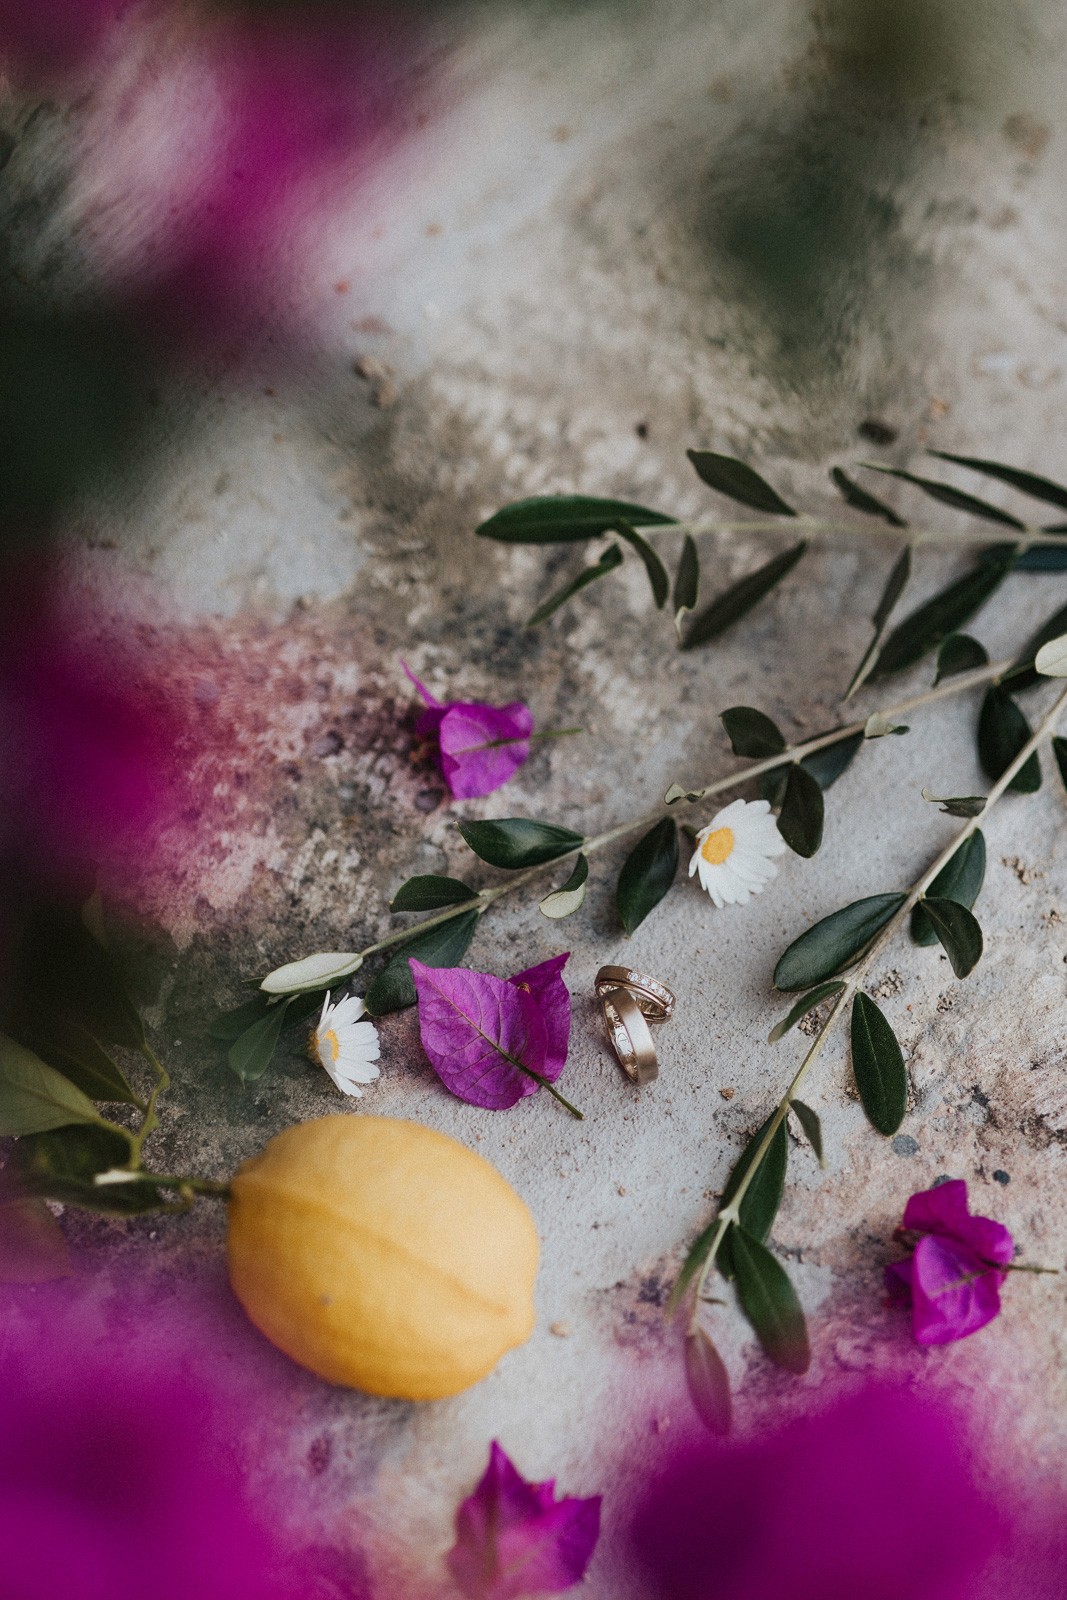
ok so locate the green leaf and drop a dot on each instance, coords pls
(809, 1121)
(1002, 732)
(32, 1246)
(960, 805)
(514, 842)
(564, 519)
(751, 733)
(709, 1384)
(61, 970)
(1053, 494)
(958, 930)
(878, 726)
(764, 1194)
(1026, 674)
(737, 601)
(944, 613)
(686, 582)
(1043, 558)
(443, 946)
(959, 653)
(252, 1051)
(800, 820)
(609, 561)
(430, 893)
(862, 501)
(807, 1003)
(828, 764)
(696, 1255)
(878, 1066)
(735, 479)
(960, 879)
(563, 902)
(62, 1165)
(647, 873)
(320, 971)
(769, 1301)
(229, 1025)
(34, 1096)
(949, 496)
(1059, 750)
(835, 942)
(895, 585)
(76, 1054)
(657, 573)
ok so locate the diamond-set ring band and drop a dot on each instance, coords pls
(654, 998)
(629, 1035)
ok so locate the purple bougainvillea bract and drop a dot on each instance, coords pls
(952, 1279)
(470, 735)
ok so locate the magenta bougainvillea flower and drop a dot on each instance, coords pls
(952, 1278)
(479, 746)
(475, 1028)
(515, 1538)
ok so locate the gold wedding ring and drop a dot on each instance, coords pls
(629, 1035)
(653, 997)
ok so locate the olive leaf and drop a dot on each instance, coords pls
(686, 582)
(709, 1384)
(34, 1096)
(564, 519)
(1051, 659)
(860, 500)
(514, 842)
(807, 1003)
(800, 821)
(72, 1050)
(567, 899)
(944, 613)
(959, 653)
(1059, 750)
(759, 1207)
(444, 946)
(960, 805)
(737, 601)
(828, 764)
(1002, 732)
(1030, 668)
(695, 1257)
(609, 561)
(770, 1303)
(960, 879)
(431, 893)
(958, 930)
(895, 585)
(1026, 482)
(1044, 557)
(878, 726)
(63, 1165)
(738, 481)
(949, 496)
(676, 793)
(878, 1066)
(229, 1025)
(319, 971)
(658, 578)
(751, 733)
(835, 942)
(809, 1121)
(32, 1246)
(647, 873)
(253, 1050)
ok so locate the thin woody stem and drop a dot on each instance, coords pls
(731, 1213)
(828, 528)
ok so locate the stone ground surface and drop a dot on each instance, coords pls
(542, 269)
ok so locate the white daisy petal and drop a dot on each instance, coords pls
(345, 1044)
(733, 852)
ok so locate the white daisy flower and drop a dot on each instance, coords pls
(732, 852)
(345, 1046)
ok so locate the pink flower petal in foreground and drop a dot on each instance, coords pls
(479, 747)
(952, 1281)
(514, 1538)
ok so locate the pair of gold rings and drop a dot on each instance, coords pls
(632, 1000)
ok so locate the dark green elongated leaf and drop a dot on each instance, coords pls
(1059, 750)
(32, 1246)
(61, 969)
(737, 601)
(828, 764)
(769, 1301)
(62, 1165)
(709, 1384)
(696, 1255)
(608, 562)
(1043, 557)
(800, 820)
(862, 501)
(878, 1066)
(835, 942)
(949, 496)
(686, 581)
(960, 805)
(34, 1096)
(895, 585)
(1023, 674)
(959, 653)
(563, 902)
(946, 612)
(809, 1121)
(229, 1025)
(647, 873)
(960, 879)
(739, 482)
(764, 1194)
(751, 733)
(252, 1051)
(443, 946)
(431, 893)
(564, 519)
(807, 1003)
(1053, 494)
(514, 842)
(658, 577)
(76, 1054)
(958, 930)
(1002, 732)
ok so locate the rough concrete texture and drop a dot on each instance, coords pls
(542, 272)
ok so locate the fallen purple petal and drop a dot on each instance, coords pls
(545, 983)
(479, 746)
(952, 1280)
(474, 1029)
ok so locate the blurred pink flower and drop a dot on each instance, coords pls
(479, 746)
(515, 1538)
(43, 37)
(952, 1279)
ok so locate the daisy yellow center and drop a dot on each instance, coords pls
(328, 1041)
(718, 846)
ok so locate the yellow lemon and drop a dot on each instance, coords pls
(382, 1255)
